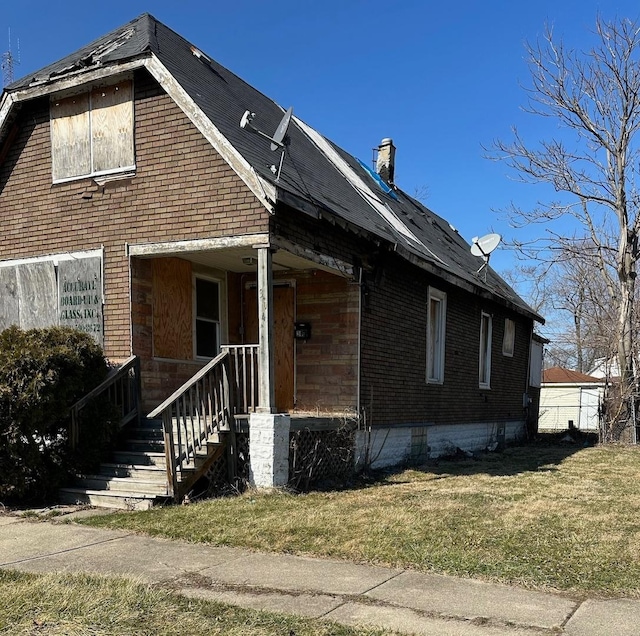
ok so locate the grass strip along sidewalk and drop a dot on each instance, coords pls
(542, 516)
(80, 604)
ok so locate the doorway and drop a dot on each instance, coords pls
(283, 335)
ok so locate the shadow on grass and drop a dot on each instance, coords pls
(544, 454)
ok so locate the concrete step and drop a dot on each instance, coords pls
(107, 499)
(122, 484)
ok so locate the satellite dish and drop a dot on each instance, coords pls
(483, 247)
(281, 130)
(277, 141)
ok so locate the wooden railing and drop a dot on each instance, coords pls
(243, 361)
(191, 416)
(122, 388)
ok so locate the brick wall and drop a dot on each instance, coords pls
(393, 348)
(394, 323)
(327, 378)
(182, 190)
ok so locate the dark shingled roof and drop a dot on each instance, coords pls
(308, 175)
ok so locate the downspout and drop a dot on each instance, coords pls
(527, 400)
(359, 355)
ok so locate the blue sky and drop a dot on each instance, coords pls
(441, 78)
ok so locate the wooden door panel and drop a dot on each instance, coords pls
(283, 332)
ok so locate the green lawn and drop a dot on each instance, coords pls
(57, 604)
(541, 516)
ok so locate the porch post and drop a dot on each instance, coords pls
(266, 386)
(268, 430)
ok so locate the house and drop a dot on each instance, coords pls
(154, 199)
(570, 399)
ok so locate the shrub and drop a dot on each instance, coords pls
(42, 373)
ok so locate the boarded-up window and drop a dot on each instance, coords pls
(172, 309)
(92, 133)
(63, 289)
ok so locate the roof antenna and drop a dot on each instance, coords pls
(277, 141)
(8, 62)
(483, 247)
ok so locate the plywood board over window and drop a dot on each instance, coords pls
(172, 309)
(70, 137)
(92, 133)
(111, 127)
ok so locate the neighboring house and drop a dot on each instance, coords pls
(570, 399)
(135, 207)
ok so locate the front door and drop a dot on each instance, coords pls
(283, 332)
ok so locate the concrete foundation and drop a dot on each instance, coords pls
(269, 449)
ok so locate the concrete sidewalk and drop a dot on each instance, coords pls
(405, 601)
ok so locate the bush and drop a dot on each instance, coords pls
(42, 373)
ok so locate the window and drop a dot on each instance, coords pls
(508, 342)
(92, 132)
(436, 320)
(207, 318)
(485, 351)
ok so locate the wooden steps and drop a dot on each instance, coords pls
(136, 476)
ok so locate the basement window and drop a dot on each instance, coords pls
(92, 132)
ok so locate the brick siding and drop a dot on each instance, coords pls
(182, 190)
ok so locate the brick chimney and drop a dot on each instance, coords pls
(385, 164)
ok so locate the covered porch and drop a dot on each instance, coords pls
(243, 333)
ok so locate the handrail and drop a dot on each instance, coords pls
(191, 417)
(244, 372)
(123, 387)
(202, 408)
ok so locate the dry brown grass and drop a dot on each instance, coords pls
(81, 605)
(544, 516)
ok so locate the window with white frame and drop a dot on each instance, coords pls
(436, 322)
(207, 318)
(509, 339)
(485, 351)
(92, 132)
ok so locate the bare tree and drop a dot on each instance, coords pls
(592, 163)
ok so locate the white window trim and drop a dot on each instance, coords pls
(194, 301)
(486, 371)
(509, 346)
(441, 297)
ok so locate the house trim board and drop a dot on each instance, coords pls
(263, 190)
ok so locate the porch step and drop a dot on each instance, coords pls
(139, 458)
(143, 472)
(122, 484)
(142, 445)
(107, 499)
